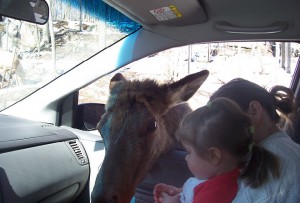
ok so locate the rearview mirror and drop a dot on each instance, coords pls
(34, 11)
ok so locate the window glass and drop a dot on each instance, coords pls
(265, 63)
(33, 55)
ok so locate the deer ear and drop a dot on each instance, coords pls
(116, 80)
(185, 88)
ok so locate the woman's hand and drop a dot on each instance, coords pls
(166, 193)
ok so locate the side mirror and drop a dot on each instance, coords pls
(34, 11)
(89, 115)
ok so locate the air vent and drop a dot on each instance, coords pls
(78, 151)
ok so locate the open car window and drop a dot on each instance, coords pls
(33, 55)
(265, 63)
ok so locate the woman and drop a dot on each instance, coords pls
(262, 107)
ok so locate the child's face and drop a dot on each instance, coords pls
(201, 168)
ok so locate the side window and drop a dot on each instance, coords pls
(265, 63)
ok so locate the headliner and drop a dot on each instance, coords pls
(255, 19)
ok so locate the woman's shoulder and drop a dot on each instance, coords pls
(288, 152)
(281, 189)
(280, 142)
(276, 190)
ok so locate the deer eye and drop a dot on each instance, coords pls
(152, 126)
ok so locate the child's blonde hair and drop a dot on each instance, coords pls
(224, 125)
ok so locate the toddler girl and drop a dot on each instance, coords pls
(218, 140)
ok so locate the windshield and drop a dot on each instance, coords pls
(33, 55)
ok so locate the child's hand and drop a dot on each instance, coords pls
(161, 190)
(165, 198)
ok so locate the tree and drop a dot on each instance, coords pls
(52, 37)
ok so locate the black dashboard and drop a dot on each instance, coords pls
(40, 162)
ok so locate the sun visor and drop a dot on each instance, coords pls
(173, 13)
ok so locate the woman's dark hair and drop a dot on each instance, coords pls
(223, 124)
(243, 92)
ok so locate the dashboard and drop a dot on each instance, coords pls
(40, 162)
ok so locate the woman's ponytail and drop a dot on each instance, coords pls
(261, 164)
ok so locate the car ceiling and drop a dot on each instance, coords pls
(201, 20)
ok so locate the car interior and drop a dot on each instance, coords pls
(50, 150)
